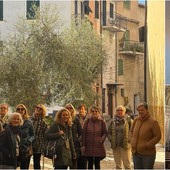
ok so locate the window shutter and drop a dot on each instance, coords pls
(120, 67)
(1, 10)
(104, 12)
(111, 10)
(97, 9)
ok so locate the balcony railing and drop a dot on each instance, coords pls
(116, 23)
(133, 46)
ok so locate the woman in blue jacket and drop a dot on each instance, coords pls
(27, 134)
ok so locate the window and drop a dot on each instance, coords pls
(32, 8)
(1, 10)
(104, 12)
(97, 9)
(126, 4)
(111, 10)
(120, 66)
(85, 9)
(122, 92)
(76, 7)
(126, 40)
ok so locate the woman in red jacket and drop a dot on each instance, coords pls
(94, 135)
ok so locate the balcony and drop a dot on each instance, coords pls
(128, 47)
(116, 24)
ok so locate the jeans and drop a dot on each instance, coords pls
(143, 161)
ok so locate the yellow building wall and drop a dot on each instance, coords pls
(155, 60)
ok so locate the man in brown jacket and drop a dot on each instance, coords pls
(145, 134)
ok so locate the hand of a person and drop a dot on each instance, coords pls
(83, 149)
(61, 132)
(74, 156)
(27, 143)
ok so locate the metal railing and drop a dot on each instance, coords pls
(118, 20)
(128, 45)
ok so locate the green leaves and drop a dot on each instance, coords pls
(43, 63)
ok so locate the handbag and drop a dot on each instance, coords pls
(29, 152)
(50, 149)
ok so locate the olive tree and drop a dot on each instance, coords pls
(44, 63)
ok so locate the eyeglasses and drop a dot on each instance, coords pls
(20, 109)
(3, 108)
(94, 111)
(69, 108)
(119, 110)
(38, 108)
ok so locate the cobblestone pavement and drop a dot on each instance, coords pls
(108, 162)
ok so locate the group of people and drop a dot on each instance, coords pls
(134, 139)
(80, 137)
(20, 133)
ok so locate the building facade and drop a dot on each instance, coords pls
(118, 22)
(122, 79)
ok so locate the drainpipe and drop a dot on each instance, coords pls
(102, 102)
(145, 54)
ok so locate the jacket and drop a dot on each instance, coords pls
(40, 126)
(8, 148)
(27, 136)
(94, 135)
(77, 134)
(126, 130)
(64, 155)
(145, 134)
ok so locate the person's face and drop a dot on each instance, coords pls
(142, 111)
(3, 109)
(21, 110)
(15, 121)
(38, 111)
(70, 108)
(120, 112)
(82, 111)
(64, 116)
(94, 113)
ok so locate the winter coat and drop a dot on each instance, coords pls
(27, 136)
(94, 134)
(8, 148)
(145, 134)
(77, 134)
(64, 155)
(126, 128)
(40, 126)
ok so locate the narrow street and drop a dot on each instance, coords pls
(108, 162)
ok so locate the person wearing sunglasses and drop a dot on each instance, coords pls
(145, 134)
(27, 137)
(40, 126)
(4, 113)
(94, 135)
(118, 135)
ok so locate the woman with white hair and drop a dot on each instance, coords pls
(10, 139)
(118, 135)
(40, 126)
